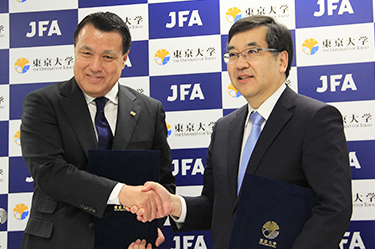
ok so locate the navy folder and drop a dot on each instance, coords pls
(270, 213)
(119, 228)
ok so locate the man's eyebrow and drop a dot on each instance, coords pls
(251, 44)
(85, 48)
(109, 52)
(230, 48)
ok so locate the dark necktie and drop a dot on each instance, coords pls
(257, 121)
(105, 136)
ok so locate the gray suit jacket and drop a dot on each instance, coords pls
(57, 133)
(302, 143)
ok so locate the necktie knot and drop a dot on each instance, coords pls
(256, 118)
(100, 103)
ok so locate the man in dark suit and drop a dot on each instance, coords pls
(301, 142)
(58, 130)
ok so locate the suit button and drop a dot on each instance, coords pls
(91, 225)
(84, 207)
(94, 210)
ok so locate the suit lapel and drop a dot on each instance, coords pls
(279, 117)
(75, 107)
(236, 130)
(127, 118)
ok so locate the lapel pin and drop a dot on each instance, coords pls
(132, 113)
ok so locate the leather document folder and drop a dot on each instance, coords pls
(270, 213)
(119, 228)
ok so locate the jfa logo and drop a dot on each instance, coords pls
(355, 241)
(187, 242)
(186, 165)
(183, 16)
(42, 26)
(332, 6)
(335, 81)
(128, 62)
(196, 92)
(354, 162)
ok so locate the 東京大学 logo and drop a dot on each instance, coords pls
(233, 91)
(169, 129)
(310, 46)
(233, 14)
(162, 57)
(20, 211)
(17, 138)
(270, 231)
(22, 65)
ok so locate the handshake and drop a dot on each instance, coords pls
(150, 201)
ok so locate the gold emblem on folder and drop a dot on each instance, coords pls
(270, 231)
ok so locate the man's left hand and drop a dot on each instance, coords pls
(141, 244)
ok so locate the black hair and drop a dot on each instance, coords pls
(106, 22)
(278, 35)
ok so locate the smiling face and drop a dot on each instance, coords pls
(256, 80)
(98, 60)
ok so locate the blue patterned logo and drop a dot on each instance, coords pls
(162, 57)
(310, 46)
(233, 91)
(22, 65)
(233, 14)
(20, 211)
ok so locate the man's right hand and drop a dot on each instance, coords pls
(171, 203)
(148, 202)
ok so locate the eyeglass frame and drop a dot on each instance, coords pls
(245, 56)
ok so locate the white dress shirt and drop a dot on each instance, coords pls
(110, 112)
(265, 110)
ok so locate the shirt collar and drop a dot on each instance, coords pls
(112, 95)
(266, 108)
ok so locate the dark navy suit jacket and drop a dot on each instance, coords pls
(57, 133)
(302, 143)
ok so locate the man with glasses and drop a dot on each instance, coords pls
(301, 142)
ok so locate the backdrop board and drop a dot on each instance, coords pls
(176, 57)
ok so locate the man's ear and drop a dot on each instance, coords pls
(124, 58)
(283, 60)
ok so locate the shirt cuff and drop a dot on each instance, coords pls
(182, 218)
(113, 198)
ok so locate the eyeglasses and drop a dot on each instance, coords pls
(249, 54)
